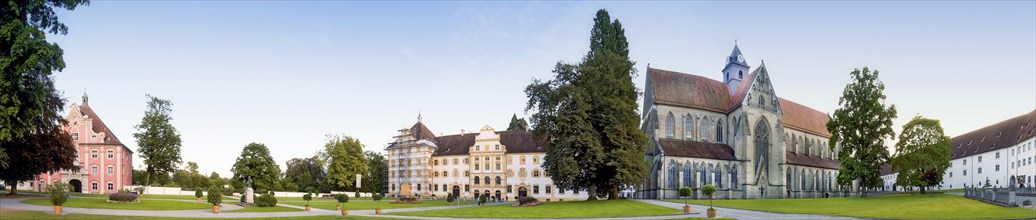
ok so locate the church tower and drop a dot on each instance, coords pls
(735, 69)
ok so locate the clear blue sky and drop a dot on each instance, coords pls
(288, 73)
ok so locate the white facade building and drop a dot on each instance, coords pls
(504, 164)
(1002, 155)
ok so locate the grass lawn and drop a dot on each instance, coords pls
(370, 205)
(573, 209)
(897, 206)
(267, 209)
(148, 196)
(21, 214)
(142, 205)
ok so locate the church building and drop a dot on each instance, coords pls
(735, 134)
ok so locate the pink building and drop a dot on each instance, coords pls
(107, 164)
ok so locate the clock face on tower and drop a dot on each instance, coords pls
(740, 58)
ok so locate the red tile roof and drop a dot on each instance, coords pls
(686, 148)
(98, 125)
(674, 88)
(688, 90)
(997, 136)
(811, 161)
(421, 132)
(802, 118)
(515, 142)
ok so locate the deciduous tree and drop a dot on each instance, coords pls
(27, 62)
(344, 157)
(306, 172)
(255, 162)
(157, 140)
(860, 126)
(922, 154)
(377, 172)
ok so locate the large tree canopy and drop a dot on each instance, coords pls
(601, 87)
(27, 62)
(157, 140)
(255, 162)
(377, 173)
(860, 126)
(922, 154)
(306, 173)
(344, 157)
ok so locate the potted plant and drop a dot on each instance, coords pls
(377, 198)
(686, 192)
(449, 198)
(58, 195)
(482, 199)
(307, 197)
(342, 198)
(215, 198)
(709, 190)
(198, 194)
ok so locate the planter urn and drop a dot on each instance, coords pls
(199, 199)
(338, 207)
(307, 208)
(57, 210)
(345, 212)
(377, 211)
(686, 209)
(215, 209)
(712, 213)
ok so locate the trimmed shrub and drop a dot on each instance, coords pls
(483, 199)
(198, 193)
(357, 194)
(377, 197)
(528, 200)
(122, 197)
(449, 198)
(214, 196)
(307, 197)
(266, 200)
(342, 198)
(58, 193)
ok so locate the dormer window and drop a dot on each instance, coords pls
(75, 136)
(93, 137)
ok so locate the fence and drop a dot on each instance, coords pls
(1002, 196)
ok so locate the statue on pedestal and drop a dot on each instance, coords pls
(249, 192)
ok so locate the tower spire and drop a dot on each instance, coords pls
(86, 99)
(418, 116)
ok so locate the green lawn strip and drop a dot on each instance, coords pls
(149, 196)
(22, 214)
(370, 205)
(572, 209)
(267, 209)
(142, 205)
(897, 206)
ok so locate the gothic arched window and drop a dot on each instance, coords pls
(761, 101)
(688, 127)
(718, 172)
(719, 131)
(762, 146)
(670, 125)
(688, 175)
(704, 173)
(705, 128)
(733, 177)
(673, 180)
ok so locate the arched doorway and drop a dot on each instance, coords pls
(522, 192)
(498, 198)
(77, 186)
(477, 196)
(456, 192)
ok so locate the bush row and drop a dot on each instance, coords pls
(122, 197)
